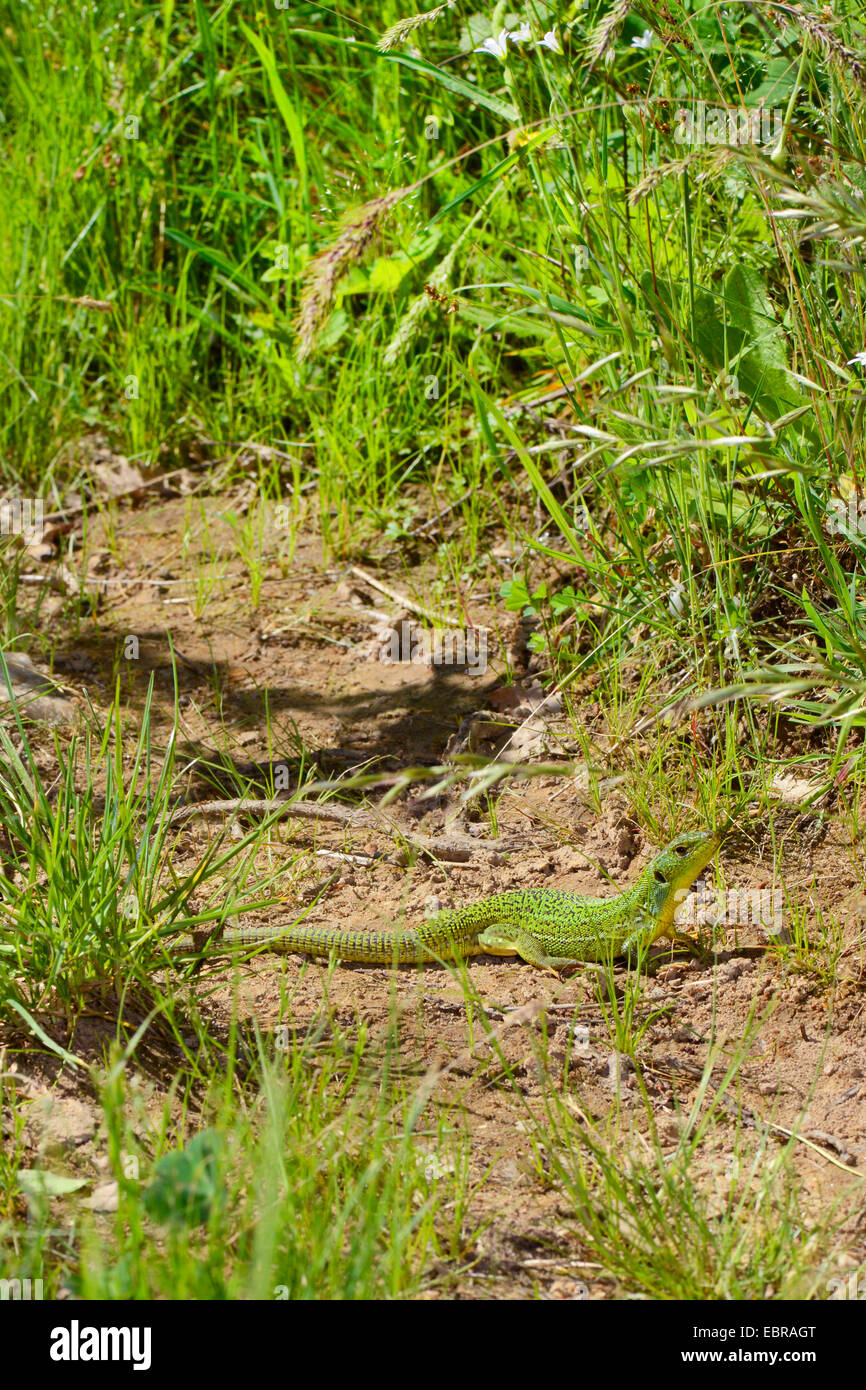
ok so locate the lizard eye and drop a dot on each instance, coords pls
(660, 878)
(682, 851)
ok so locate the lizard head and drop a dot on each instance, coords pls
(670, 875)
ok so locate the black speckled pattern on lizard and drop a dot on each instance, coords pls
(544, 926)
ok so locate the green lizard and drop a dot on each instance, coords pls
(546, 927)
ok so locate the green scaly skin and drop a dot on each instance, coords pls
(547, 928)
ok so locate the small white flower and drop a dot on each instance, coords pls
(645, 40)
(859, 358)
(675, 598)
(732, 645)
(550, 41)
(520, 35)
(498, 47)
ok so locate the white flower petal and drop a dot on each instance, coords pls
(498, 47)
(550, 41)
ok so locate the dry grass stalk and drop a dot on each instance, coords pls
(356, 231)
(399, 32)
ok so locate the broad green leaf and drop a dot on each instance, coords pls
(737, 332)
(186, 1184)
(36, 1182)
(388, 272)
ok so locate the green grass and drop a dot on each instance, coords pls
(288, 1166)
(706, 297)
(95, 888)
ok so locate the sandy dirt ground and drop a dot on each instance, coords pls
(308, 658)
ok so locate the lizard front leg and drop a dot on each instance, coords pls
(638, 942)
(510, 941)
(636, 946)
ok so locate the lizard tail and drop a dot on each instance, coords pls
(385, 948)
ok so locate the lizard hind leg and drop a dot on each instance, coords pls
(511, 941)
